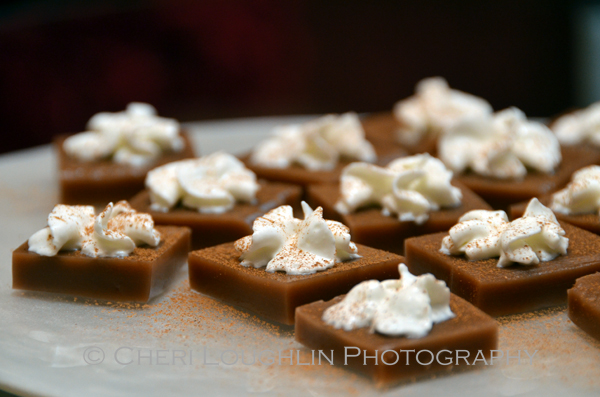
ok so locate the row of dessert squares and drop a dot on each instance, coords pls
(405, 212)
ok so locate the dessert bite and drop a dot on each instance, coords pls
(110, 160)
(584, 304)
(216, 196)
(579, 128)
(117, 255)
(506, 158)
(315, 151)
(287, 262)
(383, 206)
(417, 122)
(380, 329)
(578, 203)
(507, 267)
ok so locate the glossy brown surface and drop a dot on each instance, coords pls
(501, 193)
(213, 229)
(138, 277)
(216, 271)
(370, 227)
(100, 182)
(380, 128)
(471, 330)
(301, 176)
(584, 304)
(514, 289)
(590, 222)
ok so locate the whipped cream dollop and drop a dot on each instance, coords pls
(535, 237)
(136, 136)
(408, 306)
(114, 233)
(409, 187)
(581, 195)
(283, 243)
(316, 145)
(503, 145)
(211, 184)
(65, 230)
(580, 126)
(435, 108)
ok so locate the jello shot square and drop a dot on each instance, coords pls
(102, 181)
(369, 226)
(470, 335)
(417, 122)
(577, 203)
(501, 193)
(118, 254)
(408, 197)
(216, 271)
(138, 277)
(506, 290)
(584, 304)
(316, 151)
(109, 161)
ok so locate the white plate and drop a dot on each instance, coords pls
(46, 339)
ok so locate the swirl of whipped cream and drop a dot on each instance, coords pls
(536, 237)
(408, 306)
(136, 136)
(503, 145)
(211, 184)
(115, 232)
(66, 224)
(434, 108)
(581, 195)
(316, 145)
(283, 243)
(579, 126)
(410, 187)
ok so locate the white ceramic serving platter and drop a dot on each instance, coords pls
(184, 343)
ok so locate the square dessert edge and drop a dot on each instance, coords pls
(584, 304)
(138, 277)
(471, 331)
(103, 181)
(216, 271)
(514, 289)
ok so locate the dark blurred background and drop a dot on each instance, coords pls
(63, 61)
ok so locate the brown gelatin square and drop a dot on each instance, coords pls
(501, 193)
(514, 289)
(584, 304)
(589, 222)
(100, 182)
(213, 229)
(138, 277)
(370, 227)
(470, 330)
(216, 271)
